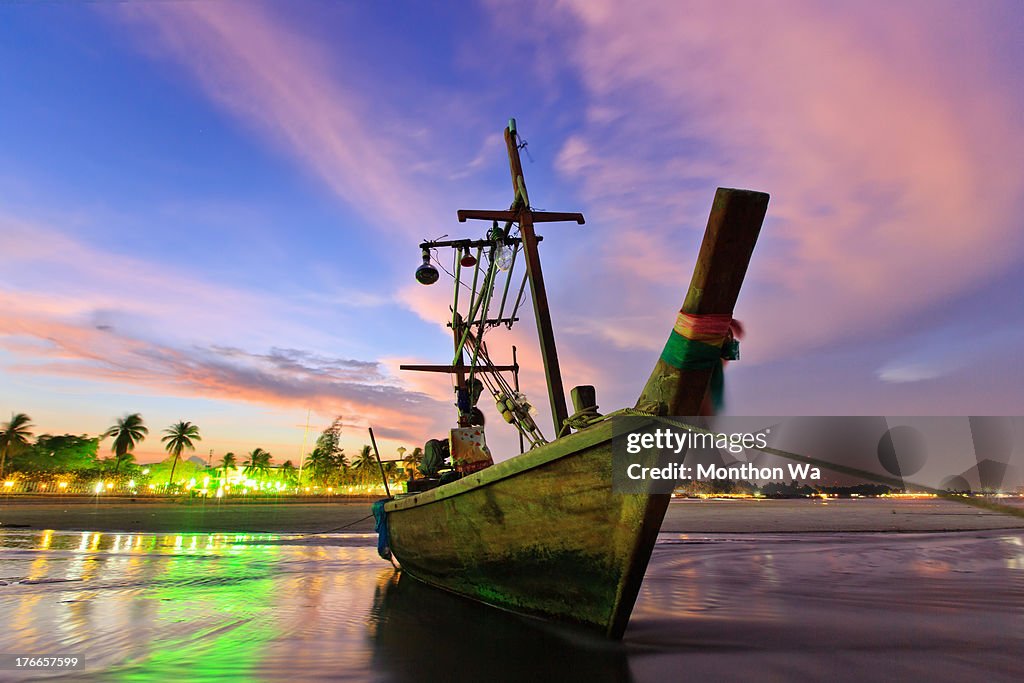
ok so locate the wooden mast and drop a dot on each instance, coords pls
(521, 213)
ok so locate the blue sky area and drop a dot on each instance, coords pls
(210, 211)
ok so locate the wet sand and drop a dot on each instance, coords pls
(750, 607)
(684, 516)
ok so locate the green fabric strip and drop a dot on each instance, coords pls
(687, 354)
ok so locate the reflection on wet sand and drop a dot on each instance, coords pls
(743, 607)
(425, 634)
(834, 607)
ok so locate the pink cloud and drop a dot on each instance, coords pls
(70, 310)
(281, 378)
(878, 141)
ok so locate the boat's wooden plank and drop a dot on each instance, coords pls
(561, 448)
(557, 217)
(485, 215)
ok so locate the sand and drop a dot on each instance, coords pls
(334, 515)
(736, 590)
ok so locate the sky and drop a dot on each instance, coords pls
(210, 211)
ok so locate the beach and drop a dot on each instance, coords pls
(302, 516)
(753, 590)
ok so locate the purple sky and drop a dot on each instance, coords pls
(210, 211)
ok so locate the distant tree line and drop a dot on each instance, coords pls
(79, 455)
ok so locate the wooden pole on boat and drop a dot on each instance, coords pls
(521, 213)
(548, 352)
(733, 227)
(387, 489)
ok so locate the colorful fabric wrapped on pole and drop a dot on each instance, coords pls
(702, 342)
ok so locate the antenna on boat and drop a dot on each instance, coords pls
(383, 476)
(515, 379)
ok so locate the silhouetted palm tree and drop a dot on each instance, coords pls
(226, 463)
(365, 462)
(180, 437)
(258, 463)
(323, 467)
(289, 474)
(412, 461)
(14, 436)
(127, 432)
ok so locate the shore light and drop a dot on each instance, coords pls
(427, 274)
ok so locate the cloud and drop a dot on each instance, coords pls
(69, 310)
(281, 377)
(262, 71)
(911, 372)
(875, 135)
(54, 274)
(950, 349)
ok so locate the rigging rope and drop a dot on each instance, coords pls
(588, 417)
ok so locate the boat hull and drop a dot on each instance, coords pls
(541, 534)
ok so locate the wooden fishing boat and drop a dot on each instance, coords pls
(543, 533)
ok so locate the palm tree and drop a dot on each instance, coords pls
(341, 465)
(13, 437)
(323, 466)
(179, 438)
(226, 463)
(288, 473)
(364, 462)
(258, 463)
(412, 461)
(127, 432)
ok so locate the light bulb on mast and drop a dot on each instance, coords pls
(427, 274)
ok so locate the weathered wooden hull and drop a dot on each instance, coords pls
(541, 534)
